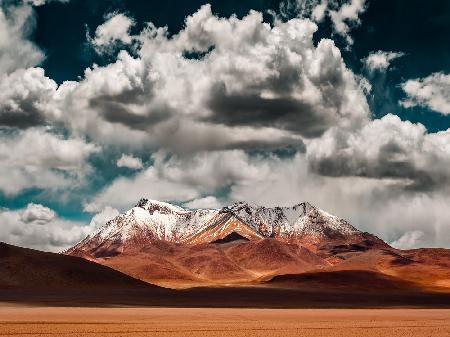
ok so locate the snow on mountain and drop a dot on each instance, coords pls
(153, 220)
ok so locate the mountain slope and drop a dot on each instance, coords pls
(23, 268)
(235, 262)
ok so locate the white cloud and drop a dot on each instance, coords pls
(319, 11)
(145, 185)
(256, 80)
(39, 227)
(432, 92)
(409, 240)
(25, 96)
(116, 29)
(16, 51)
(181, 178)
(130, 162)
(208, 202)
(99, 219)
(38, 214)
(346, 16)
(35, 158)
(381, 60)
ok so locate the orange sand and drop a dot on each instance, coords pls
(99, 322)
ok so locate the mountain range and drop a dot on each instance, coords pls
(244, 244)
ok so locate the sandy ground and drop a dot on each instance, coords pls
(99, 322)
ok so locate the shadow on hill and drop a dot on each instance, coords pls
(36, 278)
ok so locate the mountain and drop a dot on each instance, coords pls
(151, 221)
(240, 244)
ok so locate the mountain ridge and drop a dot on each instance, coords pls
(151, 220)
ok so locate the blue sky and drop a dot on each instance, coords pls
(344, 104)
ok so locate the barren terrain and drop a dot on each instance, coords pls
(99, 322)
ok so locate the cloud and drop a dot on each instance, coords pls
(208, 202)
(385, 148)
(409, 240)
(287, 90)
(39, 227)
(181, 178)
(36, 158)
(344, 14)
(115, 30)
(37, 214)
(274, 78)
(42, 2)
(99, 219)
(381, 60)
(130, 162)
(432, 92)
(16, 23)
(25, 96)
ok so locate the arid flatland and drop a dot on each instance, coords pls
(99, 322)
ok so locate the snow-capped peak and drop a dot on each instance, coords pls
(153, 220)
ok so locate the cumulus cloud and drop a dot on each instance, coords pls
(39, 227)
(129, 162)
(381, 60)
(115, 30)
(37, 214)
(265, 87)
(257, 80)
(36, 158)
(16, 23)
(432, 92)
(25, 96)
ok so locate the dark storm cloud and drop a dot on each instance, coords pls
(250, 109)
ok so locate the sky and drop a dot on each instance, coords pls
(342, 103)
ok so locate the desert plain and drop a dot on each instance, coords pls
(138, 322)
